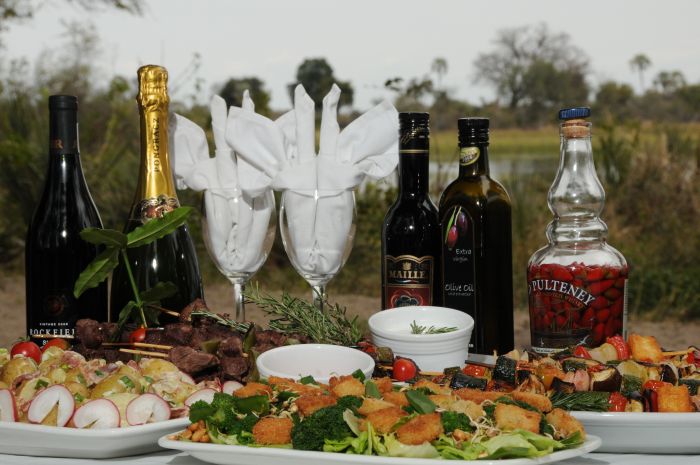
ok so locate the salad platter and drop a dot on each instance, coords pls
(241, 455)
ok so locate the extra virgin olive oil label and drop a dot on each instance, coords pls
(458, 255)
(409, 280)
(469, 155)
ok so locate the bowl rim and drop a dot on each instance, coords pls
(390, 335)
(368, 366)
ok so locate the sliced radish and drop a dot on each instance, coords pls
(46, 400)
(185, 378)
(97, 414)
(147, 408)
(231, 386)
(206, 394)
(8, 407)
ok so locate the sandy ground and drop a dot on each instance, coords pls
(671, 334)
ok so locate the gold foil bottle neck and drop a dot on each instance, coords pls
(153, 85)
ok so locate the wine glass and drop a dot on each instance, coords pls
(318, 230)
(238, 233)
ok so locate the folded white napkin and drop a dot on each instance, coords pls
(237, 219)
(318, 195)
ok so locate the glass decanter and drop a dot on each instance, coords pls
(577, 283)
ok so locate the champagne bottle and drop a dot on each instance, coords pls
(55, 254)
(475, 215)
(173, 257)
(411, 230)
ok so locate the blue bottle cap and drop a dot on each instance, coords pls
(574, 113)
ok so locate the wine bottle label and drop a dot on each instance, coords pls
(409, 280)
(469, 155)
(56, 317)
(156, 207)
(458, 254)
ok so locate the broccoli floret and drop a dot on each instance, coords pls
(349, 402)
(325, 423)
(456, 420)
(222, 415)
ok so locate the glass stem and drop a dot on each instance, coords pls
(319, 295)
(238, 301)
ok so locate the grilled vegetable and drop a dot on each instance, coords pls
(460, 380)
(630, 385)
(562, 386)
(693, 384)
(505, 369)
(604, 353)
(669, 373)
(607, 380)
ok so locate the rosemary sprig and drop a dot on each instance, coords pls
(418, 329)
(586, 401)
(291, 315)
(237, 325)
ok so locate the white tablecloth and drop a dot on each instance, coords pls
(175, 458)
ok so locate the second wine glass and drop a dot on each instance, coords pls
(318, 230)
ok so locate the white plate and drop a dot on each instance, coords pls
(52, 441)
(644, 432)
(243, 455)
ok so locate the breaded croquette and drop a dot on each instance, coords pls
(510, 417)
(396, 397)
(564, 424)
(253, 389)
(477, 396)
(271, 430)
(383, 420)
(308, 404)
(538, 401)
(443, 401)
(423, 428)
(348, 387)
(370, 405)
(434, 387)
(289, 385)
(384, 384)
(467, 407)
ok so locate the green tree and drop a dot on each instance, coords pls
(613, 98)
(670, 82)
(640, 62)
(535, 69)
(232, 92)
(439, 68)
(317, 77)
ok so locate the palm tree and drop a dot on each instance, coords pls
(640, 62)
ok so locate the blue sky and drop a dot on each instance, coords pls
(366, 41)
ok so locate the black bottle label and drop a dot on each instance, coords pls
(57, 316)
(409, 280)
(458, 254)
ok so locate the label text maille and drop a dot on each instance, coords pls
(407, 274)
(555, 286)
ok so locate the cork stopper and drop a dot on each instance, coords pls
(576, 129)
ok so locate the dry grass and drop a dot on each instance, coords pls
(670, 333)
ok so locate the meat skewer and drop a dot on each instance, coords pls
(144, 353)
(143, 345)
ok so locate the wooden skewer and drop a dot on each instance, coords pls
(144, 353)
(166, 311)
(51, 336)
(144, 345)
(677, 352)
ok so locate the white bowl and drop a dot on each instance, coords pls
(318, 360)
(432, 352)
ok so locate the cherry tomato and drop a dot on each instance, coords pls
(138, 335)
(404, 369)
(27, 349)
(694, 358)
(617, 402)
(581, 352)
(474, 370)
(60, 343)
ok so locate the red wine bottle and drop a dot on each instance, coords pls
(55, 254)
(475, 214)
(411, 230)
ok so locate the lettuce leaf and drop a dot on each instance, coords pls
(398, 449)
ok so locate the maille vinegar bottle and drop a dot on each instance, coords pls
(411, 230)
(171, 258)
(475, 215)
(55, 254)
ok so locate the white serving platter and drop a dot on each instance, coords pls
(243, 455)
(644, 432)
(52, 441)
